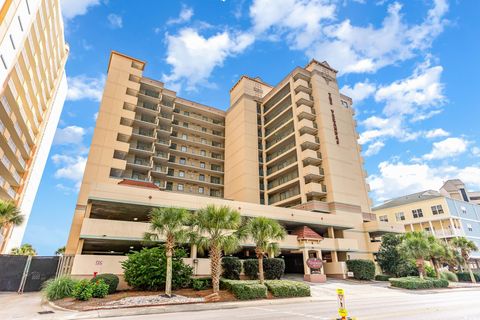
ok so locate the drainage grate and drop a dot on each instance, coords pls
(45, 312)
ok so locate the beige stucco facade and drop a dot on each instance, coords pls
(33, 88)
(288, 152)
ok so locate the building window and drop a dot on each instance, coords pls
(204, 129)
(181, 174)
(200, 190)
(184, 137)
(383, 218)
(186, 113)
(417, 213)
(437, 209)
(469, 227)
(204, 141)
(464, 195)
(400, 216)
(464, 210)
(183, 161)
(201, 177)
(203, 153)
(204, 118)
(202, 164)
(185, 124)
(183, 149)
(180, 187)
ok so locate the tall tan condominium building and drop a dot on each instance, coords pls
(33, 88)
(288, 152)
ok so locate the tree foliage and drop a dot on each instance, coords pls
(25, 250)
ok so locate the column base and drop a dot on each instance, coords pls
(316, 278)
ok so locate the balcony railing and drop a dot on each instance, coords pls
(281, 165)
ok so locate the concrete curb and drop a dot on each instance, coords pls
(133, 311)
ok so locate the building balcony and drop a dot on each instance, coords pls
(198, 156)
(303, 98)
(141, 150)
(311, 157)
(164, 131)
(198, 120)
(307, 126)
(312, 172)
(305, 112)
(151, 110)
(159, 170)
(308, 141)
(301, 85)
(143, 135)
(339, 244)
(199, 143)
(277, 140)
(282, 184)
(139, 164)
(145, 122)
(315, 189)
(378, 228)
(208, 135)
(195, 168)
(161, 156)
(162, 143)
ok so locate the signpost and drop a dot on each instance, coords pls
(342, 309)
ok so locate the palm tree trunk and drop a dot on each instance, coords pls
(215, 256)
(435, 266)
(261, 276)
(420, 268)
(168, 280)
(472, 277)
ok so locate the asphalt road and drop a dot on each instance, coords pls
(449, 305)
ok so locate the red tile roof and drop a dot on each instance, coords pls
(136, 183)
(306, 233)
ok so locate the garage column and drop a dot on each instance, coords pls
(306, 269)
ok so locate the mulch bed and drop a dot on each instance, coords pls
(106, 303)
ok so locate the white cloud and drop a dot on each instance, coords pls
(95, 116)
(374, 148)
(476, 151)
(193, 56)
(69, 135)
(115, 21)
(415, 94)
(397, 178)
(73, 8)
(83, 87)
(436, 133)
(312, 26)
(360, 91)
(299, 20)
(186, 13)
(70, 167)
(450, 147)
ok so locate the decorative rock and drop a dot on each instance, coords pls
(153, 300)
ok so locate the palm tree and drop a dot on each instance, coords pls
(417, 245)
(264, 232)
(168, 223)
(214, 228)
(9, 214)
(438, 250)
(465, 246)
(25, 250)
(60, 251)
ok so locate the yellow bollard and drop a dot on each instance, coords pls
(342, 309)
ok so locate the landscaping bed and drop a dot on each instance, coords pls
(131, 298)
(415, 283)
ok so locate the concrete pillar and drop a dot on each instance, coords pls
(193, 251)
(331, 232)
(334, 256)
(306, 269)
(319, 256)
(411, 227)
(431, 227)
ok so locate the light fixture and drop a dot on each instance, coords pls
(131, 247)
(135, 219)
(112, 251)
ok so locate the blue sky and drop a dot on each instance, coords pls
(410, 67)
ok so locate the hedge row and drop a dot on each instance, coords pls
(413, 283)
(248, 289)
(286, 288)
(273, 268)
(448, 275)
(382, 277)
(465, 276)
(201, 283)
(362, 269)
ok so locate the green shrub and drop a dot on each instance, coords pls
(146, 269)
(287, 288)
(250, 268)
(448, 275)
(201, 283)
(273, 268)
(362, 269)
(414, 283)
(226, 284)
(110, 279)
(465, 276)
(83, 290)
(430, 272)
(55, 289)
(232, 267)
(99, 289)
(439, 283)
(382, 277)
(248, 291)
